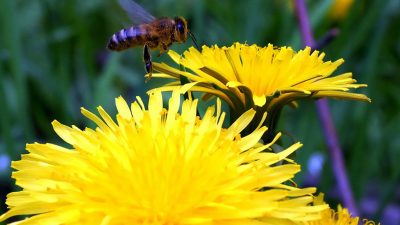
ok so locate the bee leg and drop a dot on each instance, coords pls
(147, 62)
(163, 48)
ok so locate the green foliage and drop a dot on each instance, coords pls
(53, 60)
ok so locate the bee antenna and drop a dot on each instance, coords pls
(194, 40)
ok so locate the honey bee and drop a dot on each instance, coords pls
(151, 33)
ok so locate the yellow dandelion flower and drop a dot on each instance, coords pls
(261, 75)
(340, 217)
(263, 78)
(331, 217)
(158, 166)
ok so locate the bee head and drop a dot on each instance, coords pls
(181, 29)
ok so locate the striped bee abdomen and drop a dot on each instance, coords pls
(127, 38)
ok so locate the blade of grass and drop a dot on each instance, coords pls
(5, 119)
(360, 36)
(105, 80)
(12, 43)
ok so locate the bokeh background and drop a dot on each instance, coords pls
(53, 60)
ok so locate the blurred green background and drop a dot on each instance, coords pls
(53, 60)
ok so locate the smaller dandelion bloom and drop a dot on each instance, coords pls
(332, 217)
(158, 166)
(263, 78)
(261, 75)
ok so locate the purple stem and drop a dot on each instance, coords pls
(325, 118)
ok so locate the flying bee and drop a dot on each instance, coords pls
(151, 33)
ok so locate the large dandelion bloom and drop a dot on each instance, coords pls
(158, 166)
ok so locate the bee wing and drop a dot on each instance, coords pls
(136, 12)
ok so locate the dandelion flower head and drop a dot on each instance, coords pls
(331, 217)
(158, 166)
(248, 75)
